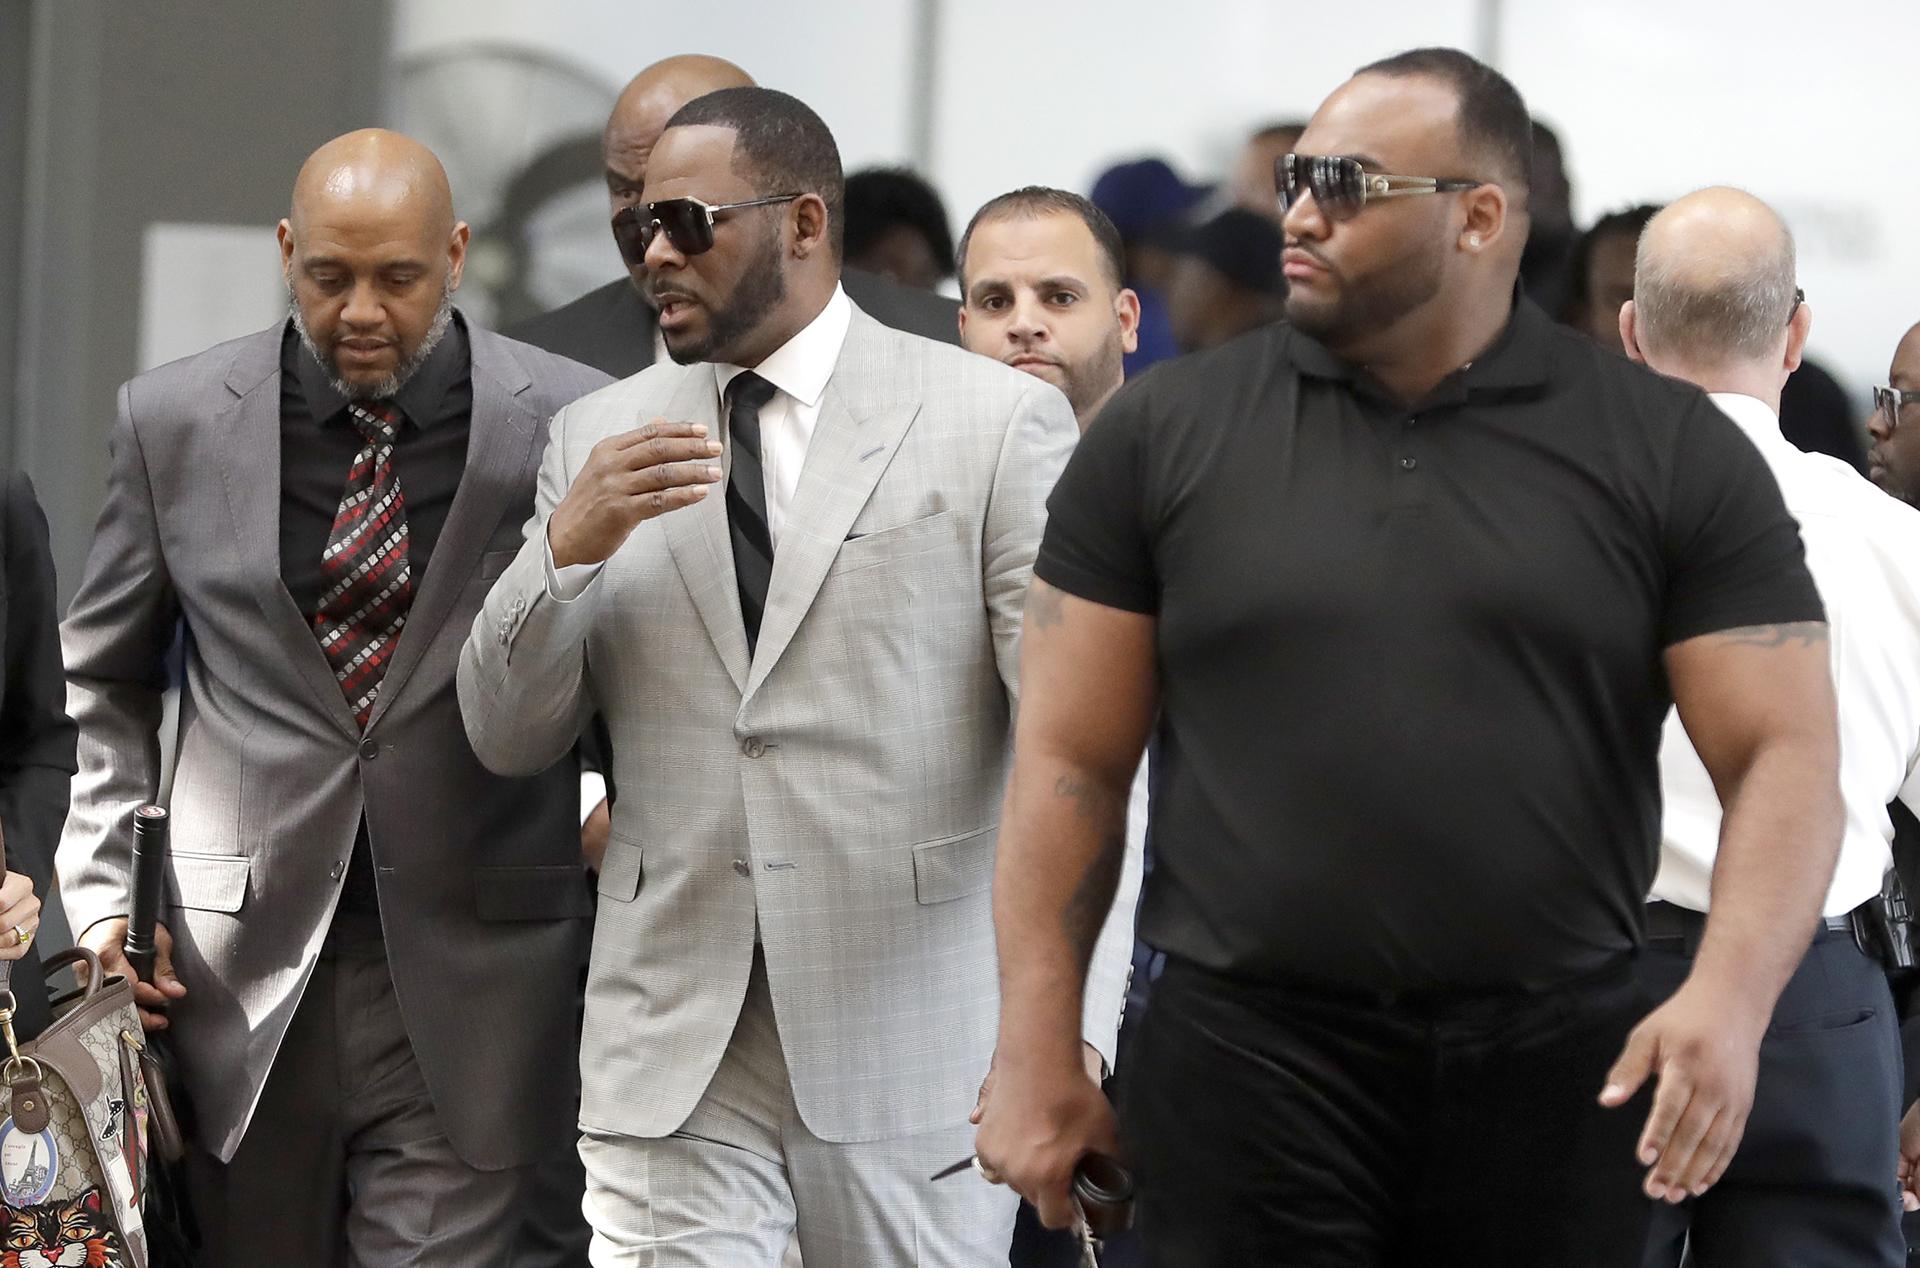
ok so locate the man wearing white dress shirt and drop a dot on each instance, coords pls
(1715, 304)
(788, 568)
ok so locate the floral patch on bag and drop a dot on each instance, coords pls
(71, 1234)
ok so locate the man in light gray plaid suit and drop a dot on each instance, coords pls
(788, 569)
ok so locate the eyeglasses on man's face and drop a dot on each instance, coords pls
(1887, 402)
(1342, 186)
(687, 222)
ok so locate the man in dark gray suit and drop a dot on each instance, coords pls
(613, 328)
(370, 940)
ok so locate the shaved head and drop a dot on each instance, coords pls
(1713, 280)
(372, 254)
(645, 105)
(374, 168)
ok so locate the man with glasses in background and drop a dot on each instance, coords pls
(1894, 460)
(794, 591)
(1410, 583)
(1714, 304)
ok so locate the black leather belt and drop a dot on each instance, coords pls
(1669, 922)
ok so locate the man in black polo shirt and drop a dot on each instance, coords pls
(1409, 584)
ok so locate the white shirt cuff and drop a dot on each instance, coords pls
(593, 787)
(564, 585)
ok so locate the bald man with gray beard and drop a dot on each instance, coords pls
(1715, 303)
(367, 960)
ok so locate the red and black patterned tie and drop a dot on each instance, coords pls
(369, 584)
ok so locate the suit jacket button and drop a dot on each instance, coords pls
(337, 871)
(369, 749)
(740, 866)
(754, 747)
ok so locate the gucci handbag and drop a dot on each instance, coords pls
(81, 1106)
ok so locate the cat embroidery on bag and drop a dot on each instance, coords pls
(72, 1234)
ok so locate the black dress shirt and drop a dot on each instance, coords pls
(318, 443)
(1410, 660)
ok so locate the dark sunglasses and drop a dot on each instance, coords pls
(687, 222)
(1888, 400)
(1341, 186)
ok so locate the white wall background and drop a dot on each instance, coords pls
(1806, 103)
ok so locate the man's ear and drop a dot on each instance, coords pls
(457, 254)
(1797, 331)
(1126, 306)
(1487, 218)
(810, 229)
(1629, 335)
(285, 235)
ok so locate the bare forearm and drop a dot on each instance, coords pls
(1063, 841)
(1779, 839)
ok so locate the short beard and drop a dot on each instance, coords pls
(761, 289)
(391, 385)
(1087, 385)
(1370, 305)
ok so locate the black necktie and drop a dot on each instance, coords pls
(747, 499)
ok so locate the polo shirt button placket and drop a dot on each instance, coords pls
(1409, 491)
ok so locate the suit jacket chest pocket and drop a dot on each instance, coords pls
(902, 545)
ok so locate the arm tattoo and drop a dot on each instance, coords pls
(1045, 608)
(1086, 910)
(1798, 633)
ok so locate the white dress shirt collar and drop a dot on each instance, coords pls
(1754, 417)
(801, 366)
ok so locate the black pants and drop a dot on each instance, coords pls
(1272, 1125)
(1812, 1182)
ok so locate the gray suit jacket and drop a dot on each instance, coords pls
(839, 794)
(479, 877)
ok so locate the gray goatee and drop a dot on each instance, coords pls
(389, 386)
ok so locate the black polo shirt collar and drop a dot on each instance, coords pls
(1518, 363)
(426, 399)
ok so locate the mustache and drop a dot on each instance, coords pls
(658, 295)
(1295, 244)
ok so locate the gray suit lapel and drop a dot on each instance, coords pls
(853, 442)
(502, 450)
(249, 428)
(698, 539)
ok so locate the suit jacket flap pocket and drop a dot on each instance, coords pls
(210, 882)
(553, 892)
(495, 562)
(954, 867)
(620, 870)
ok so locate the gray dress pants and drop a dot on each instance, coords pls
(344, 1162)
